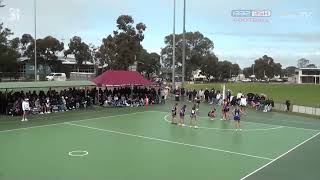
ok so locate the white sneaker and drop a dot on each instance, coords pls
(196, 127)
(49, 112)
(190, 126)
(221, 119)
(22, 120)
(183, 125)
(41, 112)
(26, 119)
(240, 129)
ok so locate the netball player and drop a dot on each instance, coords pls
(182, 114)
(174, 114)
(193, 116)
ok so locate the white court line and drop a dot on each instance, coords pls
(267, 124)
(279, 156)
(233, 129)
(72, 121)
(168, 141)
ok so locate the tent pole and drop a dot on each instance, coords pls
(98, 97)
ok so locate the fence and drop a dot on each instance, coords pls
(306, 110)
(298, 109)
(77, 76)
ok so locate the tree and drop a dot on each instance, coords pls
(8, 51)
(225, 69)
(290, 71)
(209, 66)
(266, 67)
(197, 47)
(120, 49)
(248, 71)
(311, 66)
(80, 50)
(303, 63)
(48, 49)
(148, 63)
(235, 70)
(26, 42)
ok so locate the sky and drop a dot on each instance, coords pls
(290, 33)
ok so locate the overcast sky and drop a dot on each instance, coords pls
(292, 31)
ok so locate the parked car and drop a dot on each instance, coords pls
(246, 80)
(56, 77)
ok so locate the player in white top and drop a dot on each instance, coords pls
(243, 104)
(25, 109)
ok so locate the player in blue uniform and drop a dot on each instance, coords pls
(237, 117)
(182, 114)
(193, 115)
(174, 114)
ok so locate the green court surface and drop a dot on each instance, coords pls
(135, 144)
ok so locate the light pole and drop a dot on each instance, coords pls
(253, 69)
(174, 46)
(35, 40)
(184, 44)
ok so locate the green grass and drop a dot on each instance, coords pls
(43, 85)
(306, 94)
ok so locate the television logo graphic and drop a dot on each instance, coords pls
(250, 13)
(255, 16)
(14, 14)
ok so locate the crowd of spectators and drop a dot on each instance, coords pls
(127, 97)
(259, 102)
(42, 102)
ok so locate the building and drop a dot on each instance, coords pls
(308, 75)
(68, 65)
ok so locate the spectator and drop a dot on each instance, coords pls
(288, 105)
(25, 109)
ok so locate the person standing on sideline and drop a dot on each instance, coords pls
(288, 105)
(25, 109)
(146, 102)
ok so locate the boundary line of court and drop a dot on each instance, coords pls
(54, 124)
(167, 141)
(233, 129)
(282, 155)
(265, 124)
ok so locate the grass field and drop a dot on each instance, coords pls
(132, 143)
(306, 94)
(43, 85)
